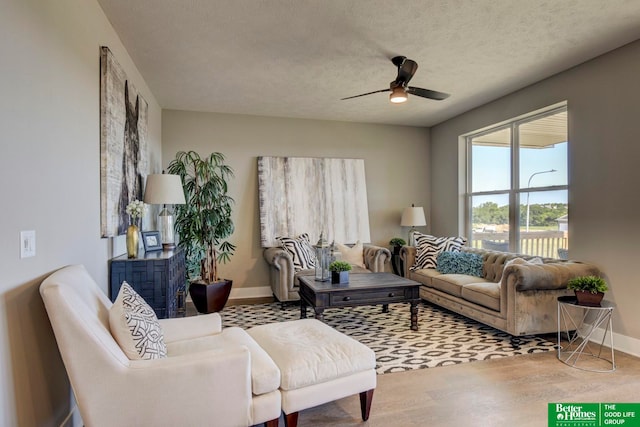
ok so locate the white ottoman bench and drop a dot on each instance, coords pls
(317, 365)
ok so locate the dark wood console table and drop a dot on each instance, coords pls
(362, 289)
(159, 277)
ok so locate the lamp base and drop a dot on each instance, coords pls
(168, 246)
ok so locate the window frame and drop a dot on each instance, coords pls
(515, 191)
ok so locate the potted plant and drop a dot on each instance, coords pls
(589, 290)
(396, 262)
(396, 243)
(339, 272)
(203, 223)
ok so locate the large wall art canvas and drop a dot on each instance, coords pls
(312, 195)
(124, 163)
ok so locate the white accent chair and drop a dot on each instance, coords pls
(210, 377)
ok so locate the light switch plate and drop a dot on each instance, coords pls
(27, 243)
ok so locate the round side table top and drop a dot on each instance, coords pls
(571, 300)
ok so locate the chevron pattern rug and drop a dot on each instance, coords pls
(444, 338)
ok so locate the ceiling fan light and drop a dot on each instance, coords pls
(398, 95)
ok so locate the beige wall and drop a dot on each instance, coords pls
(396, 166)
(50, 183)
(604, 132)
(49, 175)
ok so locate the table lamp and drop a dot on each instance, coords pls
(165, 189)
(413, 217)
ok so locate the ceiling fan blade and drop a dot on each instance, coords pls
(426, 93)
(406, 70)
(364, 94)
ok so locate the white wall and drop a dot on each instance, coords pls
(604, 132)
(396, 167)
(50, 183)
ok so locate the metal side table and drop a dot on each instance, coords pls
(579, 323)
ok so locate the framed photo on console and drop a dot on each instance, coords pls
(151, 241)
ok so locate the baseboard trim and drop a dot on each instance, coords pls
(621, 342)
(248, 293)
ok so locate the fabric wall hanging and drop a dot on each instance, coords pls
(312, 195)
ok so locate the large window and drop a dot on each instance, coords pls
(517, 188)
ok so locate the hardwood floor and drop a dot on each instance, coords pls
(513, 391)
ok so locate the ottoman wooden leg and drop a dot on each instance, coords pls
(365, 403)
(271, 423)
(291, 420)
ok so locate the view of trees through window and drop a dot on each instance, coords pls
(518, 186)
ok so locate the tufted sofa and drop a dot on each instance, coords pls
(520, 299)
(284, 279)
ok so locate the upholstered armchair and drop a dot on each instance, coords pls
(284, 278)
(209, 376)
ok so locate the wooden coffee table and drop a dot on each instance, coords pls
(362, 289)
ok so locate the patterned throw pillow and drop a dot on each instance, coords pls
(428, 247)
(301, 251)
(135, 326)
(459, 263)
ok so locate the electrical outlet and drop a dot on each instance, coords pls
(27, 243)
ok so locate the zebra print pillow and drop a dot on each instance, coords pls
(135, 326)
(301, 251)
(428, 247)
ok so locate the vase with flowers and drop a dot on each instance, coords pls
(135, 210)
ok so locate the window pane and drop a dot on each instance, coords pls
(491, 161)
(544, 220)
(490, 222)
(543, 151)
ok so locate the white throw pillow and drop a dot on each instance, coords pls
(353, 255)
(135, 326)
(516, 261)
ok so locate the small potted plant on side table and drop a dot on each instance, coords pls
(589, 290)
(339, 272)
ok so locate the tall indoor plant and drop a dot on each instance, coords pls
(203, 224)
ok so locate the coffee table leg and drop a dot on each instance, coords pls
(414, 316)
(319, 313)
(303, 309)
(385, 308)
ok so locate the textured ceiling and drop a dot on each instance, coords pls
(291, 58)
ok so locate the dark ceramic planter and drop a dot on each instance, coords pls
(589, 299)
(210, 297)
(339, 277)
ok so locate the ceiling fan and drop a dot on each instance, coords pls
(399, 87)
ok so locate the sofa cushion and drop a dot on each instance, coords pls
(453, 283)
(459, 263)
(428, 247)
(301, 251)
(353, 255)
(486, 294)
(135, 326)
(424, 275)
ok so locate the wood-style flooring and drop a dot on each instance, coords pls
(508, 392)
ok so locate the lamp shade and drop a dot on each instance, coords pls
(164, 189)
(413, 217)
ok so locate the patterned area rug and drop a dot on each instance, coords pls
(444, 337)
